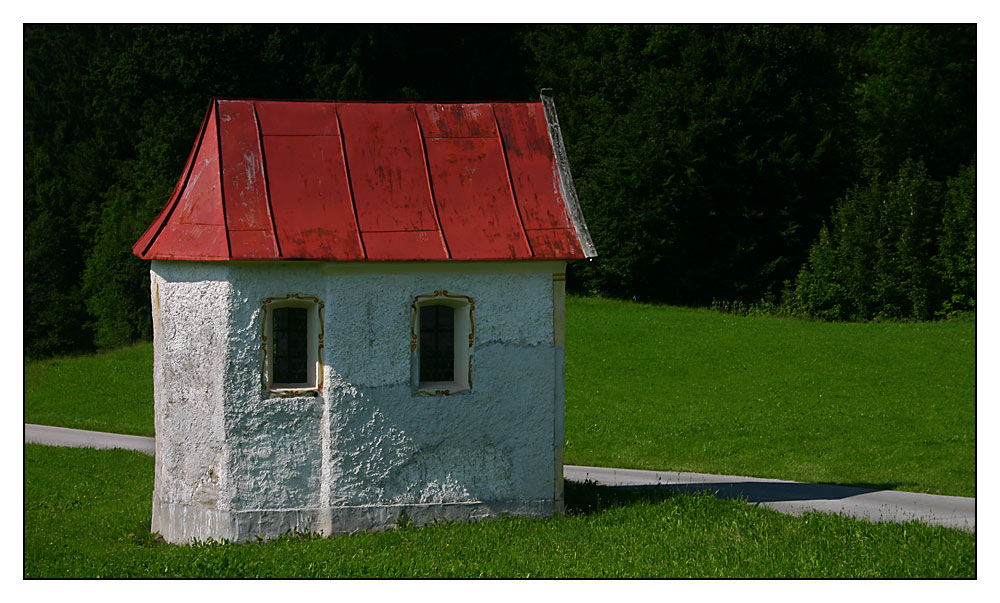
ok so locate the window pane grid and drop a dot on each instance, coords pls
(290, 334)
(437, 343)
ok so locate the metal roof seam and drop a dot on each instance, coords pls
(222, 174)
(402, 230)
(510, 183)
(430, 186)
(350, 185)
(267, 181)
(193, 258)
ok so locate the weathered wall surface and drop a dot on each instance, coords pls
(371, 448)
(190, 345)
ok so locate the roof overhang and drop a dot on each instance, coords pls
(332, 181)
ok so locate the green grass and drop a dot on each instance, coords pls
(888, 405)
(86, 514)
(112, 391)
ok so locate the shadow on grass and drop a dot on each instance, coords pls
(586, 498)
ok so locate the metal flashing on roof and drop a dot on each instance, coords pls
(565, 177)
(332, 181)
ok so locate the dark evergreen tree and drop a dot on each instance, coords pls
(706, 157)
(915, 98)
(66, 166)
(955, 261)
(898, 249)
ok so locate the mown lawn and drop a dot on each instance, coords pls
(86, 514)
(888, 405)
(111, 392)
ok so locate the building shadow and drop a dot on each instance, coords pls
(589, 497)
(754, 491)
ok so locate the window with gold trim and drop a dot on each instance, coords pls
(442, 340)
(292, 340)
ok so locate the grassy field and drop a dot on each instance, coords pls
(104, 392)
(887, 405)
(86, 514)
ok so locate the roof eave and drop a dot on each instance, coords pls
(142, 247)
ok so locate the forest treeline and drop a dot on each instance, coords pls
(821, 171)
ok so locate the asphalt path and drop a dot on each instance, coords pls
(793, 498)
(81, 438)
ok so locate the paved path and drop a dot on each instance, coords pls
(793, 498)
(81, 438)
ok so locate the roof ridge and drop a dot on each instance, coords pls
(375, 102)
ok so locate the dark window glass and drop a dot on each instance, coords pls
(437, 343)
(290, 334)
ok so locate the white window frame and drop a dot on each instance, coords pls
(314, 346)
(464, 325)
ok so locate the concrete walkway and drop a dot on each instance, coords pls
(793, 498)
(81, 438)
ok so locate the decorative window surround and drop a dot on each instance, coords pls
(313, 384)
(464, 334)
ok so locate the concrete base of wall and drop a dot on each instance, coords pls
(181, 524)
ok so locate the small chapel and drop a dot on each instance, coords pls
(359, 317)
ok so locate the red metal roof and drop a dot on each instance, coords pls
(272, 180)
